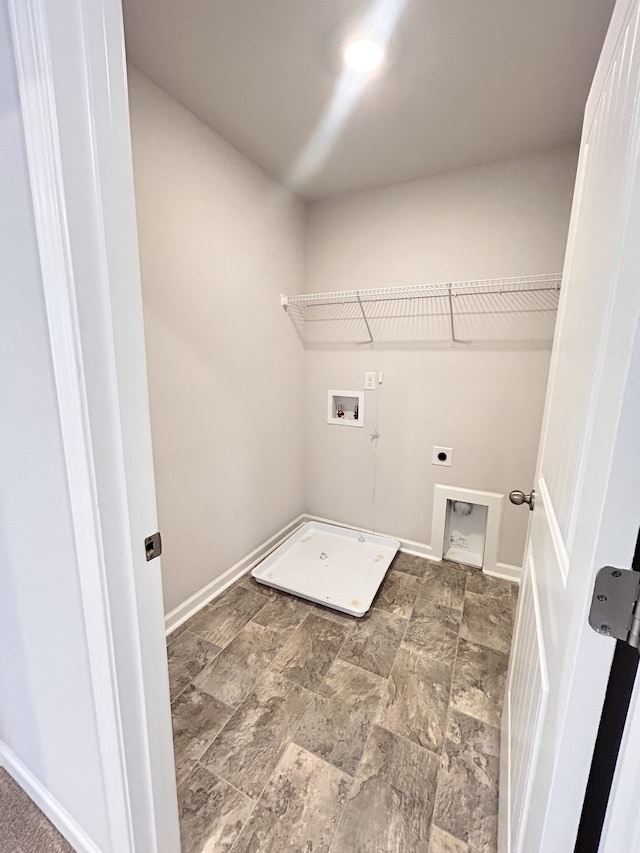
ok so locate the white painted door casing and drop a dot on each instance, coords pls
(588, 511)
(72, 79)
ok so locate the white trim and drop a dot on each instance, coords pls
(407, 546)
(216, 587)
(30, 37)
(494, 503)
(544, 698)
(212, 590)
(505, 571)
(48, 804)
(506, 764)
(559, 547)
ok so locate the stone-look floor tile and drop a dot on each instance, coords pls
(310, 651)
(479, 679)
(251, 747)
(417, 698)
(249, 582)
(337, 616)
(252, 742)
(197, 719)
(397, 594)
(233, 673)
(488, 621)
(461, 567)
(176, 633)
(282, 613)
(433, 630)
(441, 842)
(409, 564)
(212, 813)
(391, 802)
(374, 641)
(337, 722)
(492, 587)
(307, 606)
(444, 585)
(221, 619)
(467, 797)
(299, 809)
(187, 656)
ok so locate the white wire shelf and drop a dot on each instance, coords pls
(497, 309)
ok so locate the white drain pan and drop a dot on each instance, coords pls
(334, 566)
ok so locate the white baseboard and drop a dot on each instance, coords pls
(407, 546)
(46, 802)
(212, 590)
(419, 549)
(505, 571)
(461, 555)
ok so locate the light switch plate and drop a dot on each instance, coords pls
(442, 456)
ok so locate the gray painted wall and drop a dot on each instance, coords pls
(219, 241)
(238, 408)
(505, 219)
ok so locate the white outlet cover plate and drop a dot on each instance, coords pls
(370, 380)
(448, 462)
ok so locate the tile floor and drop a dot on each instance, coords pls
(297, 728)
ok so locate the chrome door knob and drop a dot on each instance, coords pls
(517, 497)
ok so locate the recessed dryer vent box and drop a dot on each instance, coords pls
(465, 532)
(345, 408)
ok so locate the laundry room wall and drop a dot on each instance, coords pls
(504, 219)
(219, 241)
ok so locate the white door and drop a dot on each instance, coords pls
(587, 509)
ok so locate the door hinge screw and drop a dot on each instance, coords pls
(615, 605)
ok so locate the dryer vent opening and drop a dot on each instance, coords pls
(465, 532)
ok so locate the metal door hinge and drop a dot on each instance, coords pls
(153, 546)
(614, 606)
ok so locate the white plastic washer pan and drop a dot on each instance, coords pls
(335, 566)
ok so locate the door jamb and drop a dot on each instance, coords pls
(141, 805)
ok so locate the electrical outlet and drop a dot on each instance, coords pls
(442, 456)
(370, 380)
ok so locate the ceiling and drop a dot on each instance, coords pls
(466, 81)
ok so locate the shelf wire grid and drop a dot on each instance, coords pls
(521, 308)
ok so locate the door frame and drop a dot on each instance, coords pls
(71, 73)
(621, 830)
(97, 392)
